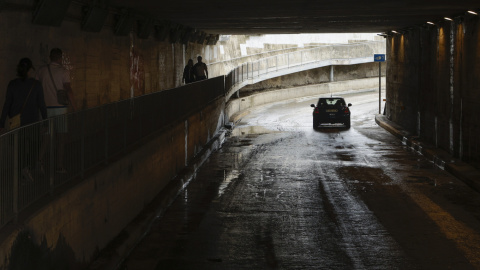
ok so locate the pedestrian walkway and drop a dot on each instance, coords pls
(463, 171)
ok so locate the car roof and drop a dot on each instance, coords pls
(331, 97)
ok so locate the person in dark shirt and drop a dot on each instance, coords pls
(188, 72)
(17, 92)
(25, 96)
(200, 70)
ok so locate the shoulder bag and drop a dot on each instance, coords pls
(62, 96)
(15, 121)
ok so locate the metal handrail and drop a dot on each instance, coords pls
(37, 159)
(259, 54)
(293, 48)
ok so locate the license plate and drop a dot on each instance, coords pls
(331, 110)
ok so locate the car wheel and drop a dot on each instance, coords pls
(347, 123)
(316, 123)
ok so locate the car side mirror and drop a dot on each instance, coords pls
(349, 104)
(312, 105)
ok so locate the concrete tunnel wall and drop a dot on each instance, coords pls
(104, 68)
(433, 85)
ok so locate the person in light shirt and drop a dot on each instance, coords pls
(55, 77)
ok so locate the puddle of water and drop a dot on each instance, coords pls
(228, 177)
(346, 157)
(248, 130)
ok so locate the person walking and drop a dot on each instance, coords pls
(200, 70)
(55, 79)
(188, 73)
(23, 102)
(24, 96)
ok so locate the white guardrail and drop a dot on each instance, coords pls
(251, 72)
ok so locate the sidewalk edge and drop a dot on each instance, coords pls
(461, 170)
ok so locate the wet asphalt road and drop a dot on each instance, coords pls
(280, 195)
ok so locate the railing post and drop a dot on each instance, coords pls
(82, 158)
(15, 177)
(379, 87)
(52, 152)
(288, 61)
(106, 135)
(276, 62)
(242, 73)
(125, 119)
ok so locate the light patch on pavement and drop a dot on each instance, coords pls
(465, 238)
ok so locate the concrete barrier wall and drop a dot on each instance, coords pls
(317, 76)
(236, 107)
(85, 218)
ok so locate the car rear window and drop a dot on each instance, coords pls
(331, 102)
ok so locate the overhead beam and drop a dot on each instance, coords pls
(94, 18)
(50, 12)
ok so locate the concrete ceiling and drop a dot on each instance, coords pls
(301, 16)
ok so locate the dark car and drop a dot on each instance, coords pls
(330, 111)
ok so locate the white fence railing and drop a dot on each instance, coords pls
(282, 64)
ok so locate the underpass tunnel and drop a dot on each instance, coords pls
(119, 50)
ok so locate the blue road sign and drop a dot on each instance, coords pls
(379, 57)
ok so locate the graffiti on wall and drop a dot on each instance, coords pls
(137, 71)
(67, 64)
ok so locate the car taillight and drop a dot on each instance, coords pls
(316, 110)
(346, 110)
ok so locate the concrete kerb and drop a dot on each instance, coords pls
(115, 254)
(442, 159)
